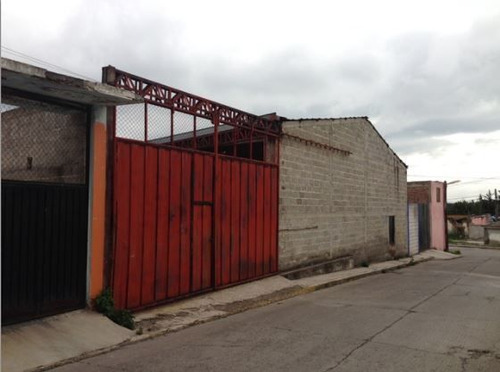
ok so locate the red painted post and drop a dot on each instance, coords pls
(216, 247)
(194, 132)
(172, 127)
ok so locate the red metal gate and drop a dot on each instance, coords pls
(186, 218)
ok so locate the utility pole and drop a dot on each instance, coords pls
(497, 204)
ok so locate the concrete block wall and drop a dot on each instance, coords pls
(333, 205)
(59, 157)
(476, 232)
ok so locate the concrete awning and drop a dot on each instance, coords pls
(36, 80)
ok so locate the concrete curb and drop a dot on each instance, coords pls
(237, 307)
(479, 246)
(370, 273)
(332, 283)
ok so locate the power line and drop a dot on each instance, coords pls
(464, 197)
(468, 183)
(45, 63)
(455, 176)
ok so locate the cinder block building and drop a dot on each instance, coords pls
(428, 199)
(159, 194)
(342, 193)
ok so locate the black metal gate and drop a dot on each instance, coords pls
(424, 234)
(44, 208)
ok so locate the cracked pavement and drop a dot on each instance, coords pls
(435, 316)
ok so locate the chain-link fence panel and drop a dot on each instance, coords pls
(162, 126)
(130, 122)
(43, 142)
(159, 124)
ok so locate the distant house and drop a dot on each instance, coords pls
(429, 199)
(481, 220)
(477, 226)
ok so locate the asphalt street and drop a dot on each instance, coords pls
(434, 316)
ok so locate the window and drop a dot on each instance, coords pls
(438, 194)
(392, 230)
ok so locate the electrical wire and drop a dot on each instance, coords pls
(455, 176)
(44, 63)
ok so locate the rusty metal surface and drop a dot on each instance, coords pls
(164, 209)
(195, 194)
(178, 100)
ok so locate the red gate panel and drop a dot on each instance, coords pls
(164, 222)
(247, 246)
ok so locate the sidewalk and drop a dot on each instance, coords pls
(57, 340)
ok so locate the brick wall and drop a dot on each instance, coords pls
(419, 192)
(333, 205)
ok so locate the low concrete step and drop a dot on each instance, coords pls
(339, 264)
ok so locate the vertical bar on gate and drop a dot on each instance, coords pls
(194, 132)
(235, 129)
(172, 126)
(215, 199)
(445, 192)
(265, 149)
(251, 142)
(145, 121)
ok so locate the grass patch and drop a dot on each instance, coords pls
(455, 251)
(105, 304)
(364, 264)
(456, 236)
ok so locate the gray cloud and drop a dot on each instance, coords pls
(415, 86)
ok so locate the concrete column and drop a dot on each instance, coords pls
(97, 202)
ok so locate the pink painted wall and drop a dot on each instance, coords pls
(480, 220)
(436, 211)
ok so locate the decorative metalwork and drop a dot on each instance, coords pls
(188, 103)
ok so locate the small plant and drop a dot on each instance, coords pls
(455, 251)
(105, 304)
(365, 264)
(123, 318)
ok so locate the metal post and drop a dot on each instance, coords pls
(215, 205)
(235, 132)
(445, 193)
(145, 121)
(194, 132)
(172, 127)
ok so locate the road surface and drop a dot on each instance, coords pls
(435, 316)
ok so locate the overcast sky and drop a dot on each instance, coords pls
(427, 73)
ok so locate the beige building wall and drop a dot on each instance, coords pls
(333, 205)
